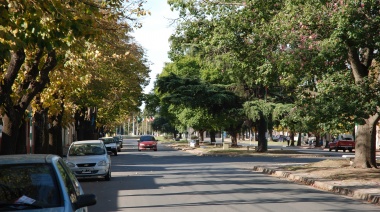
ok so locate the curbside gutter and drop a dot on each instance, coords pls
(360, 194)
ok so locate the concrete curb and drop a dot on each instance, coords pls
(373, 198)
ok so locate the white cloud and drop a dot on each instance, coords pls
(154, 35)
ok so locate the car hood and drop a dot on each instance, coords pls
(86, 159)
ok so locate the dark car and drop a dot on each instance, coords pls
(119, 143)
(37, 182)
(111, 144)
(120, 137)
(147, 142)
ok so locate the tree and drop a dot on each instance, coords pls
(195, 103)
(37, 36)
(233, 41)
(324, 40)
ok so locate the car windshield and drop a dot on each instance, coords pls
(147, 138)
(29, 186)
(108, 140)
(86, 149)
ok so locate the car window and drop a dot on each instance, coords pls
(147, 138)
(108, 140)
(30, 183)
(72, 185)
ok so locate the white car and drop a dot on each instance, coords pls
(89, 159)
(38, 182)
(111, 144)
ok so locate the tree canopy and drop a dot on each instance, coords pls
(320, 58)
(66, 53)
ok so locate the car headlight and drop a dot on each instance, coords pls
(102, 163)
(70, 164)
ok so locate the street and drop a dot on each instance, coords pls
(170, 180)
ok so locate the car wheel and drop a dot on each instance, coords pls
(350, 150)
(108, 176)
(119, 149)
(336, 149)
(155, 149)
(115, 152)
(329, 149)
(344, 150)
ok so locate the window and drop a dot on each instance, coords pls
(71, 183)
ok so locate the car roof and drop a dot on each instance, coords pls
(27, 158)
(88, 142)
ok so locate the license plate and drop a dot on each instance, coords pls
(86, 171)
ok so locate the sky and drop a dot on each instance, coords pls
(154, 35)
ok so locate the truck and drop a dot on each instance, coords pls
(342, 144)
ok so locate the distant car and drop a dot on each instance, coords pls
(36, 182)
(342, 144)
(89, 159)
(111, 144)
(118, 142)
(120, 137)
(147, 142)
(280, 138)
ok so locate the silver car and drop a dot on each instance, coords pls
(111, 144)
(36, 182)
(89, 159)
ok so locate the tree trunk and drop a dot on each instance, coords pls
(27, 89)
(201, 137)
(365, 144)
(55, 131)
(291, 135)
(55, 139)
(234, 140)
(299, 140)
(212, 136)
(11, 128)
(22, 139)
(85, 124)
(41, 126)
(262, 140)
(317, 140)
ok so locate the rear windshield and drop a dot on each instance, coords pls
(34, 184)
(147, 138)
(107, 140)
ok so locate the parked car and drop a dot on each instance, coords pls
(147, 142)
(120, 137)
(111, 144)
(118, 142)
(89, 159)
(280, 138)
(342, 144)
(36, 182)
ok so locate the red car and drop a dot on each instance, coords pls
(342, 144)
(147, 142)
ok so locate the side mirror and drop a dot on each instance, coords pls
(85, 200)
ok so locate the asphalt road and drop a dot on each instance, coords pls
(170, 180)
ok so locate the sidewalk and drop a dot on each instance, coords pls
(366, 191)
(362, 189)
